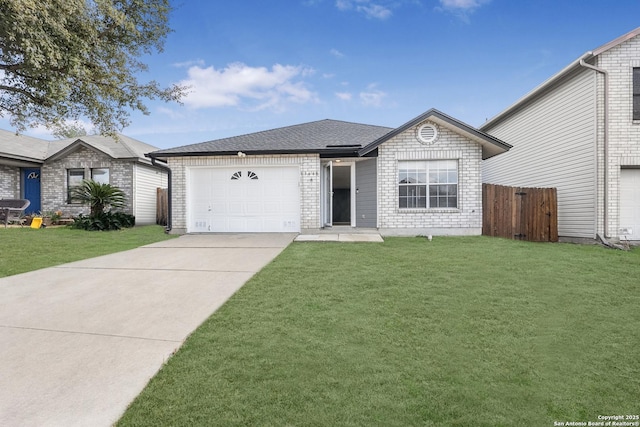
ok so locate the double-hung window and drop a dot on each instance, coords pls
(428, 184)
(74, 180)
(636, 94)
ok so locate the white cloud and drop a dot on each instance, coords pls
(336, 53)
(40, 131)
(44, 132)
(186, 64)
(248, 87)
(375, 11)
(345, 96)
(372, 97)
(366, 7)
(169, 112)
(462, 8)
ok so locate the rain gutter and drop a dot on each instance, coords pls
(605, 73)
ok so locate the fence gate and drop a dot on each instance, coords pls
(162, 206)
(520, 213)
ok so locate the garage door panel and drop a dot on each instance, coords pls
(268, 203)
(272, 208)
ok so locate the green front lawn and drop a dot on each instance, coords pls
(459, 331)
(26, 249)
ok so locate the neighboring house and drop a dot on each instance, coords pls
(44, 171)
(420, 178)
(579, 131)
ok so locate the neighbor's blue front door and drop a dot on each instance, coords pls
(31, 180)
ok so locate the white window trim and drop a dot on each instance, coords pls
(428, 209)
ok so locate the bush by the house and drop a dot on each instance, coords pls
(104, 222)
(101, 197)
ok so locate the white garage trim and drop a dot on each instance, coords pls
(243, 198)
(629, 204)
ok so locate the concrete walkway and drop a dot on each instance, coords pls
(340, 237)
(80, 341)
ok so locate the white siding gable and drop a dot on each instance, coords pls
(554, 145)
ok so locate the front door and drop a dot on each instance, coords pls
(31, 182)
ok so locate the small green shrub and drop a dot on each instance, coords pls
(104, 222)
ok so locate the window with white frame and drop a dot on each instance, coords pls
(100, 175)
(74, 180)
(428, 184)
(636, 94)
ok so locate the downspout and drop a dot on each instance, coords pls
(168, 169)
(605, 73)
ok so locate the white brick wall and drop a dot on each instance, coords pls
(309, 165)
(624, 132)
(466, 219)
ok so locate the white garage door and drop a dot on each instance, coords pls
(630, 203)
(243, 199)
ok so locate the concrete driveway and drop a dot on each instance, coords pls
(80, 341)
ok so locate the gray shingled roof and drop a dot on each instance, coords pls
(125, 148)
(323, 135)
(22, 147)
(491, 145)
(28, 149)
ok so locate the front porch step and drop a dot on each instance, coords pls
(341, 229)
(340, 237)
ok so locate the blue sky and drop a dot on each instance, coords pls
(254, 65)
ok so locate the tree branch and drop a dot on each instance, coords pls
(24, 92)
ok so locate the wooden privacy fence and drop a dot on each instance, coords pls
(162, 206)
(520, 213)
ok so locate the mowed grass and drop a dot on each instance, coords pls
(454, 332)
(26, 249)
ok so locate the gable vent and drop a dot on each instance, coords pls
(427, 133)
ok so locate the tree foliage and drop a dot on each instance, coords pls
(69, 130)
(66, 59)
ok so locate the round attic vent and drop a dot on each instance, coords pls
(427, 133)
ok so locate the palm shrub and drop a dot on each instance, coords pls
(98, 196)
(102, 198)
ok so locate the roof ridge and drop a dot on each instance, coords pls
(615, 42)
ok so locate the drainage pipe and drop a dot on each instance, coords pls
(168, 169)
(605, 73)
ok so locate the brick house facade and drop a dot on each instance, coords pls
(123, 162)
(420, 178)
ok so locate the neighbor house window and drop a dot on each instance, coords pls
(100, 175)
(74, 179)
(636, 94)
(428, 184)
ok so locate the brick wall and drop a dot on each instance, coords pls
(54, 179)
(9, 182)
(624, 132)
(466, 219)
(309, 183)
